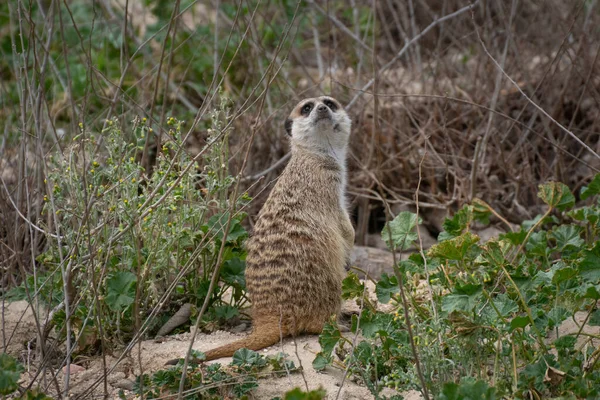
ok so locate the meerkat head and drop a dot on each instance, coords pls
(319, 124)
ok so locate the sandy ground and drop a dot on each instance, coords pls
(18, 336)
(19, 329)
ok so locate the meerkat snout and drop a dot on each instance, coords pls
(322, 113)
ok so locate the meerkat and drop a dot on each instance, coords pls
(303, 236)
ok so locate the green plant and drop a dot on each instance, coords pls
(487, 310)
(299, 394)
(124, 244)
(214, 381)
(467, 388)
(10, 373)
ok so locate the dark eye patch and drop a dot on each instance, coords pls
(332, 106)
(306, 109)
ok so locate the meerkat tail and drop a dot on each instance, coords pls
(262, 336)
(259, 339)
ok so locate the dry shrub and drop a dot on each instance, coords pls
(432, 110)
(438, 105)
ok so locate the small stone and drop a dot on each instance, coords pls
(115, 377)
(124, 384)
(74, 369)
(239, 328)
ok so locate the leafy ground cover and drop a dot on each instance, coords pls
(481, 323)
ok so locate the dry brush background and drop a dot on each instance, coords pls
(491, 101)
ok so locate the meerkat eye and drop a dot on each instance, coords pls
(332, 106)
(306, 109)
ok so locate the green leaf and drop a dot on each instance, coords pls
(217, 223)
(595, 318)
(454, 249)
(321, 361)
(533, 375)
(352, 287)
(591, 291)
(464, 298)
(589, 267)
(298, 394)
(240, 390)
(590, 214)
(226, 312)
(455, 226)
(121, 290)
(233, 272)
(401, 229)
(556, 195)
(386, 286)
(562, 273)
(198, 355)
(35, 395)
(537, 244)
(568, 237)
(592, 189)
(236, 232)
(410, 266)
(516, 238)
(280, 364)
(565, 342)
(468, 389)
(540, 280)
(505, 306)
(10, 372)
(528, 224)
(557, 315)
(519, 322)
(481, 211)
(494, 253)
(245, 357)
(329, 337)
(373, 323)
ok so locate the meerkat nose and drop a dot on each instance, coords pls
(322, 108)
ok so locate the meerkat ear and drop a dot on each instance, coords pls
(288, 126)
